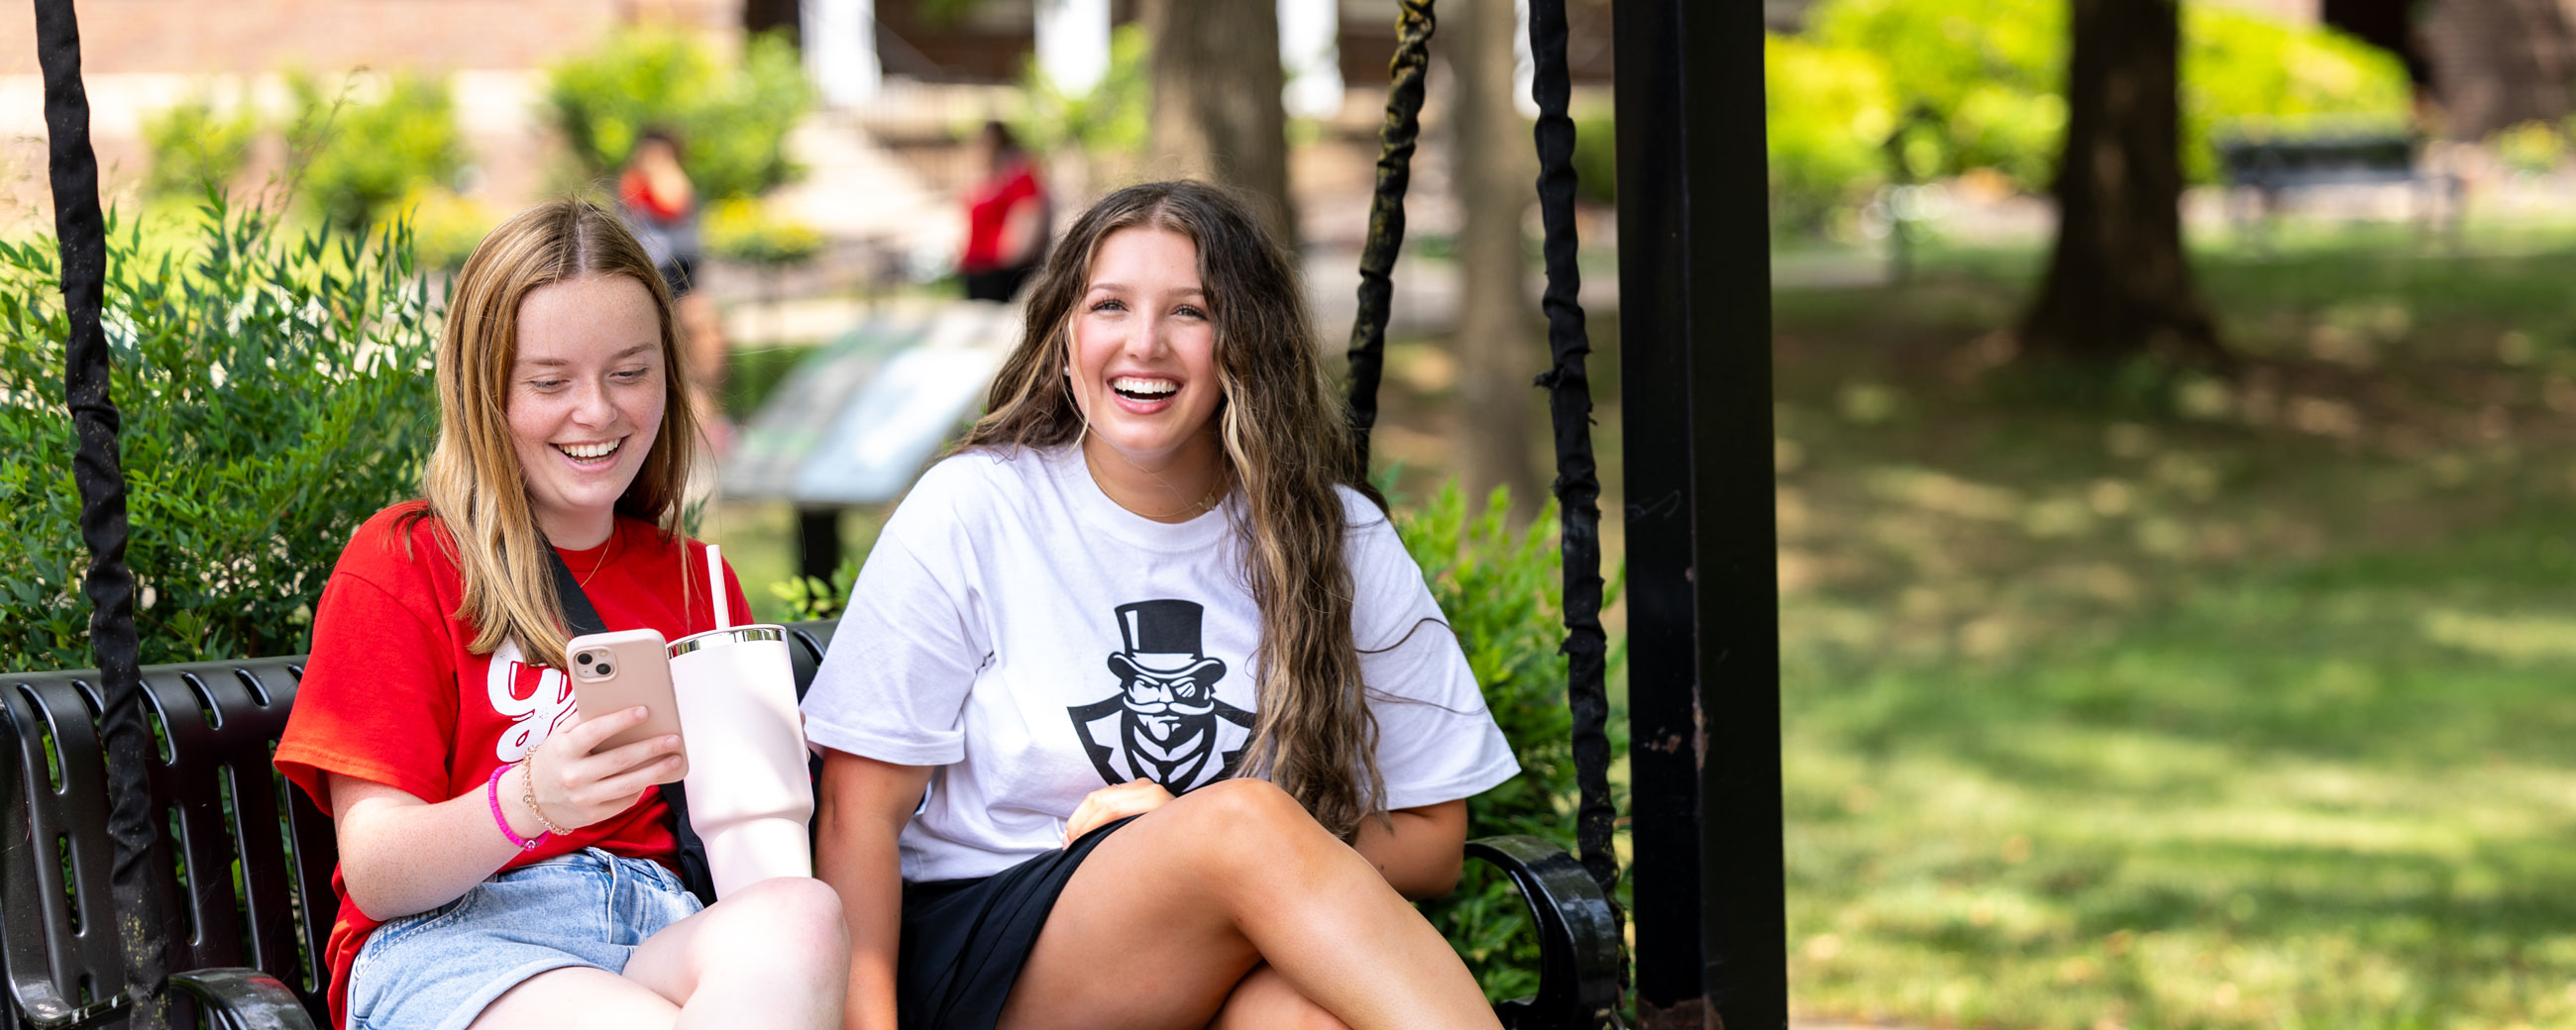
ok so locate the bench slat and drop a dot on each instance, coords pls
(65, 710)
(188, 789)
(217, 725)
(287, 875)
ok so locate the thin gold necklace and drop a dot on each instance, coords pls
(605, 551)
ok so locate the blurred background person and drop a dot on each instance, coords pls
(658, 202)
(1007, 216)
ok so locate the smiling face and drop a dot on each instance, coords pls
(585, 400)
(1144, 353)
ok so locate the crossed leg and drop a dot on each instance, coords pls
(774, 954)
(1234, 892)
(1264, 1000)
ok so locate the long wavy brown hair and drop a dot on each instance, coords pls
(474, 484)
(1285, 442)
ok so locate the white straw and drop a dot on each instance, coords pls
(716, 587)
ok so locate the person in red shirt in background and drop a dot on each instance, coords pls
(660, 206)
(498, 866)
(1006, 220)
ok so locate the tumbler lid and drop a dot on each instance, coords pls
(757, 632)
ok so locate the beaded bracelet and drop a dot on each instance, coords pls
(492, 792)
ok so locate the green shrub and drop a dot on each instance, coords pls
(1109, 120)
(1503, 592)
(1828, 111)
(2244, 74)
(194, 149)
(274, 394)
(360, 156)
(2531, 148)
(1990, 73)
(1989, 79)
(742, 229)
(445, 226)
(732, 119)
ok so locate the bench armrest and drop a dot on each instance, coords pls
(233, 998)
(1578, 981)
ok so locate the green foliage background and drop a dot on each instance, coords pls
(732, 119)
(193, 148)
(1105, 121)
(1503, 591)
(1986, 81)
(274, 395)
(361, 155)
(743, 229)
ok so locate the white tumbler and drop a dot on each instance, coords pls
(749, 795)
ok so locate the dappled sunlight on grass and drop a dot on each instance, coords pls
(2514, 638)
(2194, 702)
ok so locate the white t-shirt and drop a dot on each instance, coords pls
(1034, 641)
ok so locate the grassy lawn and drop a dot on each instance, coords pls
(2214, 704)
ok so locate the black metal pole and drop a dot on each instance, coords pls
(81, 233)
(1703, 595)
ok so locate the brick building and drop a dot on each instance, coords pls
(248, 37)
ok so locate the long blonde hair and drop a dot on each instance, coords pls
(474, 484)
(1285, 440)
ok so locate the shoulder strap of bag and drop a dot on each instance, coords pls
(579, 617)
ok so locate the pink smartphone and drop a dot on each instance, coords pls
(612, 672)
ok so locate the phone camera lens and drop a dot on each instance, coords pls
(603, 668)
(582, 658)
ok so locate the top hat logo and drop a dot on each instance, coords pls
(1162, 641)
(1165, 723)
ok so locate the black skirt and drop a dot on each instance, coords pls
(964, 941)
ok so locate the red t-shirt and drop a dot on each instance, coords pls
(635, 190)
(391, 695)
(988, 210)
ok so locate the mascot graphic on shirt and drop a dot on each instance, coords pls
(1165, 723)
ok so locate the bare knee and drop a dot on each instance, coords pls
(790, 921)
(1247, 830)
(1247, 806)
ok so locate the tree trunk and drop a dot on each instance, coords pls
(2498, 63)
(1494, 171)
(2119, 285)
(1217, 114)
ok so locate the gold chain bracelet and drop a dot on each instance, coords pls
(528, 776)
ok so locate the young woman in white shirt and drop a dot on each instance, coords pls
(1141, 715)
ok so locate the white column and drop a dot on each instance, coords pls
(1309, 50)
(1073, 43)
(841, 49)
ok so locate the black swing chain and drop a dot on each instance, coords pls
(1578, 484)
(1396, 138)
(81, 234)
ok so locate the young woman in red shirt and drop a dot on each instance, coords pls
(499, 867)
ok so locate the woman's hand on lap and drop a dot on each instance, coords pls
(1110, 804)
(577, 784)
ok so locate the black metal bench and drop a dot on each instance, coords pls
(244, 864)
(2269, 166)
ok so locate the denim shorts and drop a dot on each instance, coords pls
(437, 970)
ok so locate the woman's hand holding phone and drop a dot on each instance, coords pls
(578, 782)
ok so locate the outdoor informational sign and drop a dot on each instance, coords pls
(861, 416)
